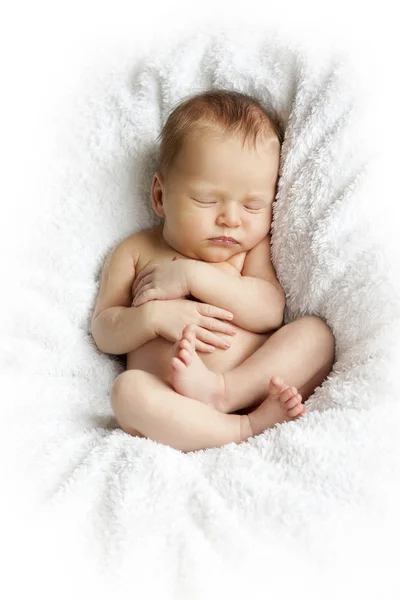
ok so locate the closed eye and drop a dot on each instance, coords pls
(213, 202)
(204, 201)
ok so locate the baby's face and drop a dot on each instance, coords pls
(217, 188)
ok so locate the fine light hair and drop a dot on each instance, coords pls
(219, 111)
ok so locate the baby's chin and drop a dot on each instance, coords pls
(209, 252)
(219, 253)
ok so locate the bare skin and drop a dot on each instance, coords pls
(190, 377)
(176, 390)
(147, 406)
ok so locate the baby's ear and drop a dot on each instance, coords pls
(156, 197)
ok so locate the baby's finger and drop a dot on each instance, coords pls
(145, 296)
(143, 282)
(142, 290)
(143, 273)
(202, 347)
(206, 336)
(208, 310)
(217, 325)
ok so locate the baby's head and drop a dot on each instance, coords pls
(217, 174)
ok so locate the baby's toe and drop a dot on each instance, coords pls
(276, 382)
(188, 331)
(296, 410)
(287, 394)
(189, 334)
(186, 357)
(187, 345)
(292, 402)
(276, 385)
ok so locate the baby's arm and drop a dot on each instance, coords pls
(256, 299)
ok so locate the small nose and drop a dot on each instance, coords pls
(229, 216)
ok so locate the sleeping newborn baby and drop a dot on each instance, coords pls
(195, 303)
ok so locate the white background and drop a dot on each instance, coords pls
(48, 49)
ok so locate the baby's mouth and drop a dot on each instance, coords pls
(223, 240)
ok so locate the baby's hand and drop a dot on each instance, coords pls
(163, 282)
(210, 322)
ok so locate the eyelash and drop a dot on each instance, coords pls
(213, 203)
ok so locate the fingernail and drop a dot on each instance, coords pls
(226, 345)
(230, 316)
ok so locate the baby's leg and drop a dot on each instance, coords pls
(301, 353)
(143, 402)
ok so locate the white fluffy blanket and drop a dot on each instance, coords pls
(306, 509)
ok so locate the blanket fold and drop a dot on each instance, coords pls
(291, 511)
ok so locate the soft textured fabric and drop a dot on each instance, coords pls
(308, 508)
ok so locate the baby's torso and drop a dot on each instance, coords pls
(155, 355)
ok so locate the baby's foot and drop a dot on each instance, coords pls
(190, 377)
(282, 404)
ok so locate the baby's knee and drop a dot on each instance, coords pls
(120, 387)
(322, 334)
(127, 396)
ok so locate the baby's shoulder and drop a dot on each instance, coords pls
(145, 246)
(141, 238)
(137, 242)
